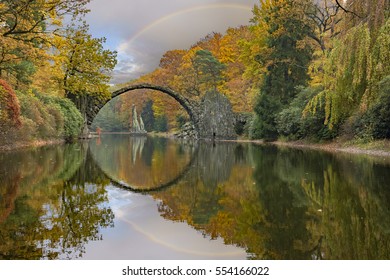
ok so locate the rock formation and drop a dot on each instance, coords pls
(136, 127)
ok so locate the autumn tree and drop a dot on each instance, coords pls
(239, 87)
(9, 106)
(26, 32)
(86, 67)
(172, 60)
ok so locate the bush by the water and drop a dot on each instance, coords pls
(375, 122)
(294, 123)
(67, 114)
(39, 117)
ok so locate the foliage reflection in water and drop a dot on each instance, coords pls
(276, 203)
(142, 163)
(49, 207)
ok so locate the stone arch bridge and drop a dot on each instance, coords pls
(212, 116)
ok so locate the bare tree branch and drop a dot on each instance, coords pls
(347, 11)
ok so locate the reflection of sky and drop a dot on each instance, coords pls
(143, 30)
(141, 233)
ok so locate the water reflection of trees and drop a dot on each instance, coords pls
(275, 203)
(142, 163)
(285, 204)
(51, 203)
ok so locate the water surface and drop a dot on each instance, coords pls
(122, 197)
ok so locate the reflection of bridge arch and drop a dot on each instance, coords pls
(188, 105)
(160, 187)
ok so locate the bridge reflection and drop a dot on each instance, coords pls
(142, 164)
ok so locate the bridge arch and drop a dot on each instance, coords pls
(194, 152)
(212, 116)
(187, 104)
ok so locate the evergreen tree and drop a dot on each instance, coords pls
(286, 58)
(209, 69)
(147, 115)
(161, 124)
(264, 124)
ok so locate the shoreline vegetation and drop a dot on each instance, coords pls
(29, 144)
(374, 148)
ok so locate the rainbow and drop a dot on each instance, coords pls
(185, 11)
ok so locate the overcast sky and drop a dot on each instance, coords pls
(143, 30)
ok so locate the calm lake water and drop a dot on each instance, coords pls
(122, 197)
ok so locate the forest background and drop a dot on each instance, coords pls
(301, 69)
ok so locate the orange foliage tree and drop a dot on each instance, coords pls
(9, 106)
(178, 70)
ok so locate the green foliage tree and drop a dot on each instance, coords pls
(147, 115)
(353, 72)
(73, 120)
(286, 58)
(264, 124)
(161, 123)
(209, 69)
(289, 54)
(294, 124)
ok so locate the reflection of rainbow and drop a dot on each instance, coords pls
(189, 10)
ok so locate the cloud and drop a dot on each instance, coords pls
(133, 62)
(143, 30)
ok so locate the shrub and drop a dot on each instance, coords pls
(54, 117)
(293, 124)
(9, 106)
(375, 122)
(36, 111)
(70, 116)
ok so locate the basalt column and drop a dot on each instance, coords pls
(216, 119)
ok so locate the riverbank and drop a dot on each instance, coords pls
(30, 144)
(374, 148)
(380, 148)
